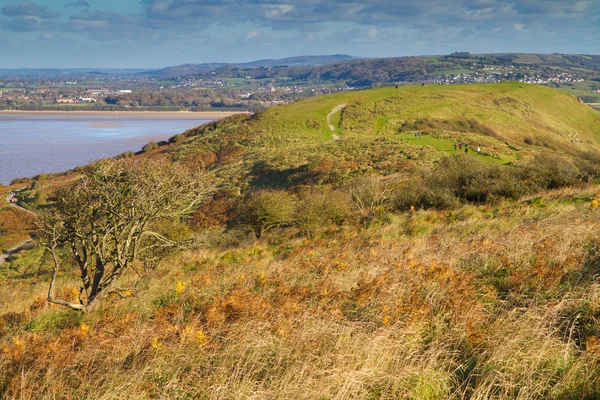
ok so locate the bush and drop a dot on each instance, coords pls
(416, 193)
(550, 171)
(127, 154)
(21, 181)
(466, 177)
(462, 178)
(266, 209)
(177, 138)
(313, 124)
(320, 209)
(589, 166)
(368, 194)
(214, 212)
(149, 147)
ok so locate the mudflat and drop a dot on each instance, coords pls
(126, 114)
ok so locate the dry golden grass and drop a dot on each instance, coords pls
(15, 224)
(481, 302)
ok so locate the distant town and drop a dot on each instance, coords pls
(229, 87)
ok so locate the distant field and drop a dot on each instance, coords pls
(453, 71)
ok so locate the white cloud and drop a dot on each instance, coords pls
(372, 33)
(252, 35)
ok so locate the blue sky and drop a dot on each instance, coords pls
(158, 33)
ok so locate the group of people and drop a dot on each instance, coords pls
(460, 146)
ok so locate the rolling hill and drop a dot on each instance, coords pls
(395, 265)
(190, 69)
(510, 122)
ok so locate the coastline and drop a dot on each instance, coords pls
(125, 114)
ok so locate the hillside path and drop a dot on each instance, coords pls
(21, 246)
(333, 111)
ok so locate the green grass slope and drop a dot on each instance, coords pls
(293, 144)
(513, 111)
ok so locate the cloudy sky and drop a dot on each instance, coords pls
(158, 33)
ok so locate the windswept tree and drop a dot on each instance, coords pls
(104, 222)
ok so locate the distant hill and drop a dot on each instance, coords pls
(298, 61)
(190, 69)
(41, 73)
(374, 72)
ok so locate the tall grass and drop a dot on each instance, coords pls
(494, 302)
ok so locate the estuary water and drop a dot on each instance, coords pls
(31, 145)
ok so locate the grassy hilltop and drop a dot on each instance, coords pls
(395, 266)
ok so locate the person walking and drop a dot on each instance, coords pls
(455, 146)
(478, 150)
(466, 148)
(460, 146)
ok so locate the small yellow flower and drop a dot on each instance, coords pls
(18, 343)
(594, 204)
(84, 329)
(385, 317)
(342, 266)
(179, 287)
(262, 277)
(156, 343)
(200, 338)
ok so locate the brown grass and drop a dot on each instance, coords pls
(15, 224)
(481, 302)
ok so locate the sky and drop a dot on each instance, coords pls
(160, 33)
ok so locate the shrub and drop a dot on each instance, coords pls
(461, 178)
(177, 138)
(266, 209)
(214, 212)
(149, 147)
(21, 181)
(550, 171)
(127, 154)
(588, 164)
(369, 194)
(465, 176)
(319, 209)
(313, 124)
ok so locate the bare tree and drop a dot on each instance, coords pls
(104, 221)
(368, 193)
